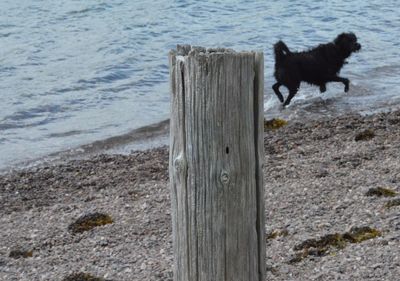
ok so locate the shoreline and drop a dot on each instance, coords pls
(156, 134)
(316, 175)
(144, 138)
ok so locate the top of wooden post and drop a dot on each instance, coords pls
(188, 50)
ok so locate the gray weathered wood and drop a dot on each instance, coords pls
(216, 157)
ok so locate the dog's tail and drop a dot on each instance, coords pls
(281, 51)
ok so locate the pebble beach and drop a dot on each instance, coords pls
(323, 179)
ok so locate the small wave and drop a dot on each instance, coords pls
(109, 78)
(65, 134)
(7, 25)
(19, 125)
(7, 69)
(33, 117)
(4, 35)
(35, 112)
(329, 19)
(71, 89)
(140, 135)
(94, 9)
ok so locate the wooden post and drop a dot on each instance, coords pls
(216, 156)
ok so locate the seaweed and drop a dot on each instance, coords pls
(89, 221)
(277, 233)
(365, 135)
(381, 191)
(323, 246)
(359, 234)
(16, 254)
(274, 124)
(82, 277)
(274, 270)
(318, 248)
(335, 240)
(393, 203)
(298, 257)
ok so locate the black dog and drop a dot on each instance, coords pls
(316, 66)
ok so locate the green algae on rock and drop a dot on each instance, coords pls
(274, 124)
(82, 277)
(335, 240)
(365, 135)
(89, 221)
(381, 191)
(322, 247)
(16, 254)
(359, 234)
(318, 247)
(277, 233)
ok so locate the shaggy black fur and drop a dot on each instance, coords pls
(316, 66)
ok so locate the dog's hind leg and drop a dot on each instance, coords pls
(275, 87)
(292, 92)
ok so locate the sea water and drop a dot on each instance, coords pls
(74, 72)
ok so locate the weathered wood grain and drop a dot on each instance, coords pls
(216, 155)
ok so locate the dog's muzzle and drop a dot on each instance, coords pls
(357, 47)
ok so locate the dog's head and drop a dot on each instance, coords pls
(347, 42)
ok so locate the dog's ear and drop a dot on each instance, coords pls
(339, 39)
(345, 37)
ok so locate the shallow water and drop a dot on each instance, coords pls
(73, 72)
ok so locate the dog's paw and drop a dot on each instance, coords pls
(322, 89)
(346, 84)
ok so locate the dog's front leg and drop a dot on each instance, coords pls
(345, 81)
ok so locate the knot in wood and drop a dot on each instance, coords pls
(179, 164)
(224, 177)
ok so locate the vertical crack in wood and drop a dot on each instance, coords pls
(184, 170)
(255, 107)
(174, 78)
(196, 68)
(258, 144)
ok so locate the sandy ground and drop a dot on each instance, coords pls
(317, 180)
